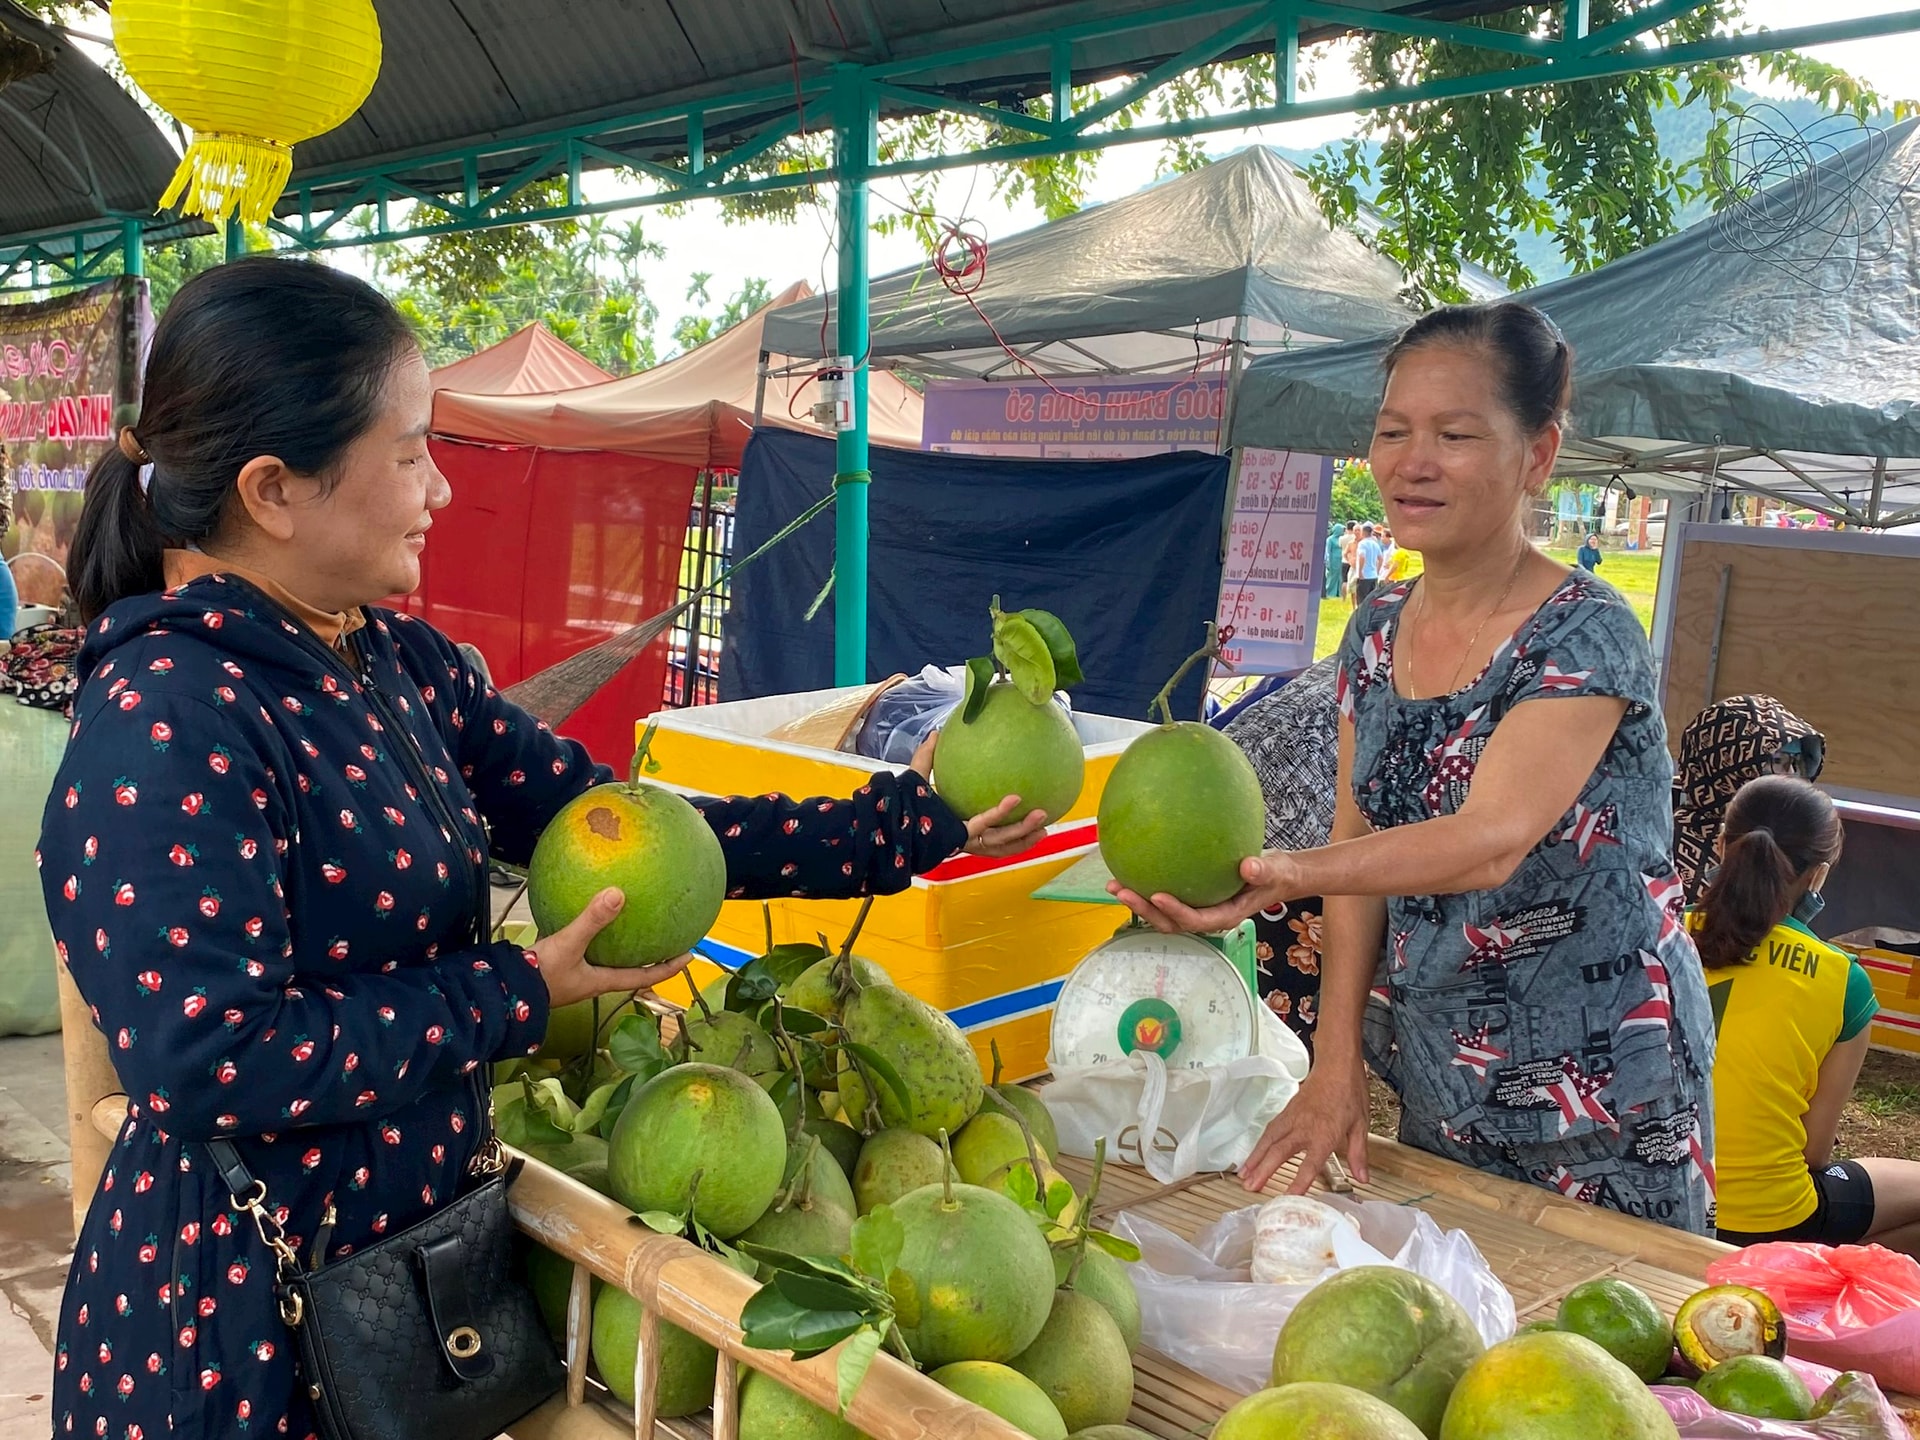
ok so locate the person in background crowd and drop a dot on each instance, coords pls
(1372, 551)
(1330, 582)
(1727, 744)
(1349, 553)
(1794, 1016)
(1398, 565)
(1500, 829)
(1293, 739)
(1589, 553)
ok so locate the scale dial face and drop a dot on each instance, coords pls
(1143, 990)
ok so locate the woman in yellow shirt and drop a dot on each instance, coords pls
(1793, 1015)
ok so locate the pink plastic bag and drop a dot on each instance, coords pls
(1856, 1410)
(1853, 1307)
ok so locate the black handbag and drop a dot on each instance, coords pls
(424, 1335)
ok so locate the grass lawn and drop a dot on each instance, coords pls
(1633, 575)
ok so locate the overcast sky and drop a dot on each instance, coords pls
(781, 254)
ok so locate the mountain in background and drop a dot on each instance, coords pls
(1683, 136)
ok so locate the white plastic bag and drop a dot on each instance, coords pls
(1198, 1306)
(1174, 1123)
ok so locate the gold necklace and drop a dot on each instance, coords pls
(1453, 681)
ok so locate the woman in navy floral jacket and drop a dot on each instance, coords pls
(265, 848)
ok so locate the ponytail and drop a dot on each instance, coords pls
(117, 546)
(1778, 831)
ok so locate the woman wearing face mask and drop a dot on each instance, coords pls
(1502, 933)
(264, 856)
(1794, 1015)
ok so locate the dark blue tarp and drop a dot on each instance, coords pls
(1126, 552)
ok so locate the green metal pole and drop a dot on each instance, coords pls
(855, 144)
(133, 253)
(236, 238)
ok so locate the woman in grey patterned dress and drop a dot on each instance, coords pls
(1502, 934)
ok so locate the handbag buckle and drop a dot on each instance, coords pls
(286, 1262)
(464, 1343)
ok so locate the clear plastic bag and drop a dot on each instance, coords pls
(1199, 1307)
(1854, 1307)
(899, 720)
(1855, 1410)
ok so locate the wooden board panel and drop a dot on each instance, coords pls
(1831, 633)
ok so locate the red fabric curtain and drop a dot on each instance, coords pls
(543, 553)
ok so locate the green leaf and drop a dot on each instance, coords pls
(635, 1046)
(979, 679)
(521, 1125)
(594, 1110)
(1114, 1245)
(1066, 658)
(802, 1022)
(1059, 1196)
(854, 1362)
(663, 1221)
(616, 1102)
(880, 1066)
(905, 1296)
(788, 962)
(749, 986)
(1022, 1188)
(878, 1238)
(815, 1293)
(1029, 664)
(815, 1265)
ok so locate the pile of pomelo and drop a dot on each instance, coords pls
(797, 1096)
(1378, 1353)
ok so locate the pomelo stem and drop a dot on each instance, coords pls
(642, 757)
(1086, 1210)
(766, 914)
(698, 999)
(844, 983)
(946, 1172)
(1026, 1132)
(1163, 702)
(993, 1048)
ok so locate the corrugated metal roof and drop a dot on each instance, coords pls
(74, 146)
(460, 71)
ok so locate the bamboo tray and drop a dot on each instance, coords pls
(1539, 1244)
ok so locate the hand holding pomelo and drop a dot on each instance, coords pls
(1181, 811)
(645, 842)
(1012, 747)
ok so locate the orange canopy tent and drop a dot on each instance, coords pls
(529, 360)
(696, 409)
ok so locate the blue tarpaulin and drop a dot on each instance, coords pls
(1125, 552)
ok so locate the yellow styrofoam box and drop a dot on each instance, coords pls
(1896, 984)
(967, 937)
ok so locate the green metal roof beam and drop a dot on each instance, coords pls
(1419, 29)
(1621, 31)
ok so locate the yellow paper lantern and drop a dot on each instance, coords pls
(250, 78)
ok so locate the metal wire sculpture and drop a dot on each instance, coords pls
(1788, 202)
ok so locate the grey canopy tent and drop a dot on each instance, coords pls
(1136, 286)
(1773, 348)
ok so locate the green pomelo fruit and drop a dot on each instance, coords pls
(770, 1411)
(1181, 810)
(551, 1277)
(1553, 1386)
(1756, 1385)
(687, 1364)
(980, 1277)
(585, 1158)
(652, 846)
(843, 1142)
(1314, 1410)
(732, 1040)
(813, 991)
(817, 1218)
(927, 1051)
(1389, 1332)
(893, 1163)
(1538, 1327)
(1005, 1392)
(1012, 747)
(702, 1120)
(1080, 1359)
(988, 1142)
(1039, 1119)
(1104, 1279)
(570, 1030)
(1623, 1321)
(1111, 1432)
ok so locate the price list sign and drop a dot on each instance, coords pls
(1275, 562)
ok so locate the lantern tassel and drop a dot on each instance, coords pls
(222, 173)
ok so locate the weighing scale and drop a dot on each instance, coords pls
(1191, 999)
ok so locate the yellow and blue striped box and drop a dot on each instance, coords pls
(967, 936)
